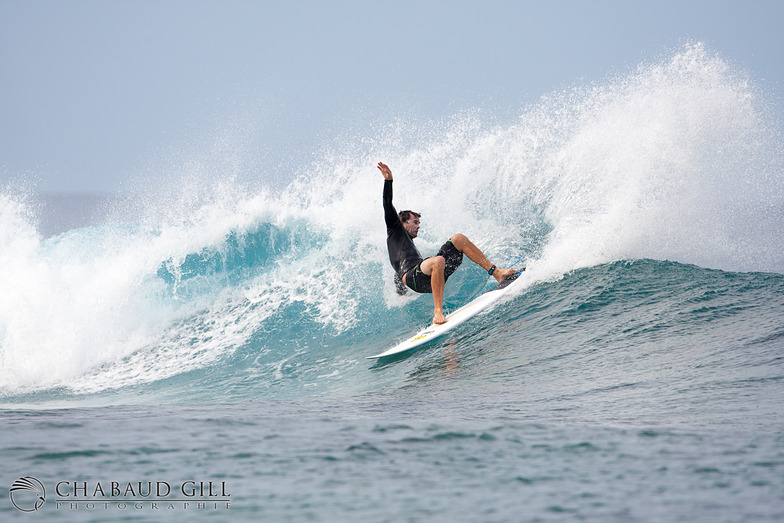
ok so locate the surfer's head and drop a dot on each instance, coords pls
(410, 221)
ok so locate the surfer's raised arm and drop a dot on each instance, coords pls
(390, 214)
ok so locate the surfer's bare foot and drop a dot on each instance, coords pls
(438, 318)
(502, 274)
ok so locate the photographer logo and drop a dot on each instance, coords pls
(28, 494)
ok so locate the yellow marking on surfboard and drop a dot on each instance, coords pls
(423, 335)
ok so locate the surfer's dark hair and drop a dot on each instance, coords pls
(406, 215)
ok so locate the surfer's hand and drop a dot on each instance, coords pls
(385, 171)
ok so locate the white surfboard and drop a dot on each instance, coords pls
(454, 319)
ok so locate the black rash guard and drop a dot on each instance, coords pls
(403, 254)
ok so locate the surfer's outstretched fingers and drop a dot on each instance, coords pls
(385, 171)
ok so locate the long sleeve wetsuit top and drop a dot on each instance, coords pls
(403, 254)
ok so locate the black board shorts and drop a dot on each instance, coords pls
(418, 281)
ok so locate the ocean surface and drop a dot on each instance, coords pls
(199, 350)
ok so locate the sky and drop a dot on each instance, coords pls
(95, 93)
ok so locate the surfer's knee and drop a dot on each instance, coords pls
(458, 239)
(433, 264)
(436, 264)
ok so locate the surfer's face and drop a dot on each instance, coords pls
(412, 226)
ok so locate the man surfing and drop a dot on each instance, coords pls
(427, 275)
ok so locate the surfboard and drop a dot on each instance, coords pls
(454, 319)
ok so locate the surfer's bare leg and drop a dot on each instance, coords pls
(434, 267)
(465, 246)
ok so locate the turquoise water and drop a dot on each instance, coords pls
(216, 335)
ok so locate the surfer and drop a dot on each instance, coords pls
(427, 275)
